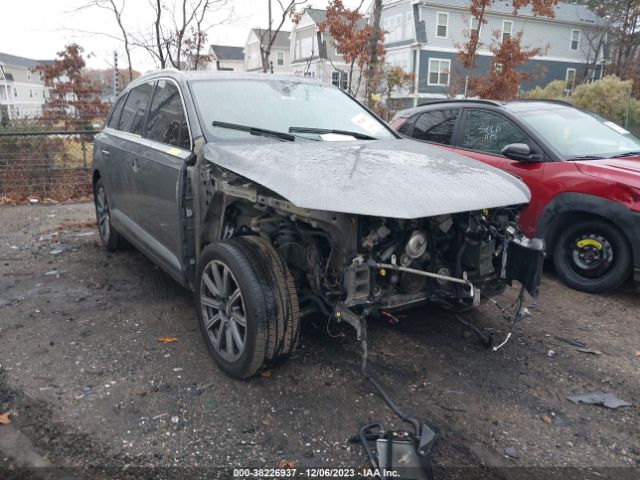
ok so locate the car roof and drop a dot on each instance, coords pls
(512, 106)
(189, 75)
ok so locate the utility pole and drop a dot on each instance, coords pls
(116, 75)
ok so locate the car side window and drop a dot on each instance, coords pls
(490, 132)
(435, 126)
(167, 119)
(132, 117)
(115, 113)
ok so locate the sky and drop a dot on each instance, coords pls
(39, 28)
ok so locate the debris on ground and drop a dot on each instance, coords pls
(4, 419)
(588, 350)
(551, 353)
(573, 343)
(58, 250)
(167, 339)
(608, 400)
(266, 373)
(511, 452)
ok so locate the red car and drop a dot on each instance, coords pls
(583, 172)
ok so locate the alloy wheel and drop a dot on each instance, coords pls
(223, 310)
(102, 209)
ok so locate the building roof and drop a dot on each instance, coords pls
(226, 52)
(316, 14)
(564, 12)
(281, 41)
(16, 61)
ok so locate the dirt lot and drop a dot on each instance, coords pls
(88, 383)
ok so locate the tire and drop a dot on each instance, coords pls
(111, 239)
(252, 320)
(592, 256)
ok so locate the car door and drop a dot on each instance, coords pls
(108, 150)
(159, 162)
(482, 135)
(127, 138)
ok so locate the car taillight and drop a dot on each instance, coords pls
(396, 123)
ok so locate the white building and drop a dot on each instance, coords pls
(279, 58)
(22, 90)
(314, 54)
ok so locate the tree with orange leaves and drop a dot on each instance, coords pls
(352, 37)
(503, 79)
(74, 100)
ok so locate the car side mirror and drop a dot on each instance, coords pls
(521, 152)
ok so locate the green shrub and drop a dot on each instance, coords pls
(609, 97)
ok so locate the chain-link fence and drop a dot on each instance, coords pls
(45, 164)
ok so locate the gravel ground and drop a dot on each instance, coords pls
(88, 384)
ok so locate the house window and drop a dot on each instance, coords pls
(571, 78)
(475, 25)
(575, 39)
(306, 47)
(497, 68)
(441, 28)
(280, 59)
(394, 28)
(15, 92)
(439, 71)
(335, 78)
(30, 93)
(507, 30)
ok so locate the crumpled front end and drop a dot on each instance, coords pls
(449, 259)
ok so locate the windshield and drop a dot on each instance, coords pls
(574, 133)
(281, 106)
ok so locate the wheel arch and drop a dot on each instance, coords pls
(572, 207)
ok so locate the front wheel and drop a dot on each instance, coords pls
(247, 305)
(592, 256)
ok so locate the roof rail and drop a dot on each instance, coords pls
(463, 100)
(547, 100)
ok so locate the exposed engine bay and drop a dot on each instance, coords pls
(386, 263)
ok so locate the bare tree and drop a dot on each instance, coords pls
(117, 8)
(268, 36)
(177, 33)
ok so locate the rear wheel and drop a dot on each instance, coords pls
(247, 305)
(592, 256)
(110, 237)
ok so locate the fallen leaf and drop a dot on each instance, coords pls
(288, 464)
(546, 419)
(266, 373)
(638, 353)
(167, 339)
(4, 419)
(268, 421)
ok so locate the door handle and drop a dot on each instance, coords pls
(135, 165)
(106, 152)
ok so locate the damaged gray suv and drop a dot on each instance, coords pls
(276, 197)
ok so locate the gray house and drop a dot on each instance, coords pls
(22, 90)
(424, 37)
